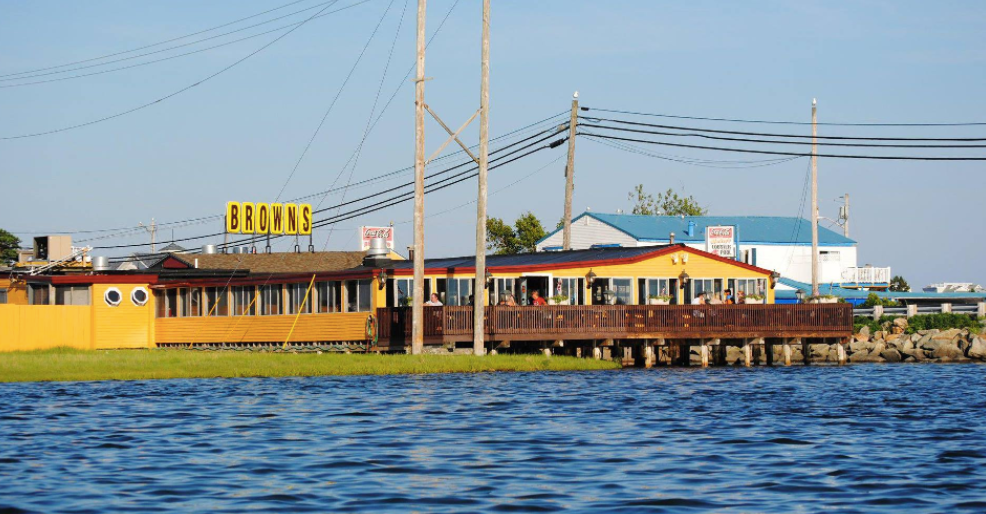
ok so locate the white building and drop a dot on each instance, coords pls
(778, 243)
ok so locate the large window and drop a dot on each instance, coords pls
(502, 288)
(217, 301)
(748, 286)
(648, 287)
(296, 301)
(191, 301)
(71, 295)
(573, 288)
(37, 295)
(168, 304)
(329, 296)
(244, 301)
(270, 298)
(712, 287)
(623, 287)
(358, 295)
(458, 291)
(403, 292)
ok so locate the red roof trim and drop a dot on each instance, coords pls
(93, 279)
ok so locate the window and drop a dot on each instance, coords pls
(297, 303)
(191, 302)
(748, 285)
(270, 297)
(829, 256)
(37, 295)
(648, 287)
(113, 297)
(501, 288)
(329, 296)
(244, 301)
(623, 287)
(71, 295)
(458, 291)
(217, 301)
(167, 303)
(3, 296)
(139, 296)
(573, 288)
(358, 295)
(709, 286)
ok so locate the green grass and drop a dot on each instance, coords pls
(62, 364)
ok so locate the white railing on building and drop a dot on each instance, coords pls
(866, 275)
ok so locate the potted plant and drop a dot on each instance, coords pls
(753, 298)
(558, 299)
(659, 299)
(824, 298)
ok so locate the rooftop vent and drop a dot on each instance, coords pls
(378, 254)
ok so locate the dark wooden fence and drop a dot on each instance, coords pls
(622, 322)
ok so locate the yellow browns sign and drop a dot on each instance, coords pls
(269, 218)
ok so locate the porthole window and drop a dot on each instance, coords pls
(113, 297)
(139, 296)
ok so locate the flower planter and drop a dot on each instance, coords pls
(656, 301)
(824, 300)
(752, 301)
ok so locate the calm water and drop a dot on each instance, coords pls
(863, 438)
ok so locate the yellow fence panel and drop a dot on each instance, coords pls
(37, 327)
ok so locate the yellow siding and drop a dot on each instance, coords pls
(124, 326)
(36, 327)
(262, 329)
(698, 267)
(16, 291)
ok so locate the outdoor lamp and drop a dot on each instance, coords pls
(382, 277)
(801, 296)
(590, 277)
(774, 277)
(683, 278)
(489, 278)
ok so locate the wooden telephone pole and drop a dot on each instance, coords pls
(418, 298)
(479, 290)
(814, 198)
(845, 215)
(570, 175)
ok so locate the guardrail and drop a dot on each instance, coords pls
(913, 310)
(585, 322)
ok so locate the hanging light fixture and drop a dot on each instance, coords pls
(590, 277)
(382, 278)
(774, 277)
(489, 278)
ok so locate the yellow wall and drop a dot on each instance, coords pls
(36, 327)
(16, 291)
(124, 326)
(698, 267)
(262, 329)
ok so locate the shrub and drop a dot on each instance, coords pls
(943, 321)
(873, 300)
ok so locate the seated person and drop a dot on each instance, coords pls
(536, 299)
(434, 301)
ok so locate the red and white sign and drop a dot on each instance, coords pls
(721, 241)
(370, 233)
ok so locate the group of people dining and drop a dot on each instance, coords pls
(725, 298)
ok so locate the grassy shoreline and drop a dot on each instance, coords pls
(62, 364)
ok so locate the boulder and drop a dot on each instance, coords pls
(860, 346)
(916, 353)
(864, 334)
(880, 335)
(928, 342)
(859, 357)
(950, 351)
(899, 325)
(891, 355)
(977, 349)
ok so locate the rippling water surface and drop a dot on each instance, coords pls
(850, 439)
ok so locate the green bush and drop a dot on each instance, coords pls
(873, 300)
(944, 322)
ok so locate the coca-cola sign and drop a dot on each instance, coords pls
(721, 241)
(370, 233)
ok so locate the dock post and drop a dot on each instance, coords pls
(840, 351)
(747, 353)
(648, 354)
(787, 352)
(806, 351)
(597, 352)
(703, 349)
(546, 351)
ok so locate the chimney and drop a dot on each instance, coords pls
(410, 253)
(671, 237)
(691, 228)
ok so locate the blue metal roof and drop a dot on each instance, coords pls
(538, 258)
(859, 294)
(749, 229)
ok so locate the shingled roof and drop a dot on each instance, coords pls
(279, 262)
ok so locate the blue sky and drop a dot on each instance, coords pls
(238, 136)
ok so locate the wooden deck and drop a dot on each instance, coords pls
(591, 322)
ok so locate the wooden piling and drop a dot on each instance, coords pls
(703, 349)
(787, 352)
(747, 353)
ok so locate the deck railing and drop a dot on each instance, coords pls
(866, 275)
(624, 321)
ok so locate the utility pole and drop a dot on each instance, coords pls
(152, 230)
(845, 215)
(479, 291)
(417, 300)
(814, 198)
(570, 175)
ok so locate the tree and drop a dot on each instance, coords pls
(899, 284)
(668, 203)
(521, 238)
(9, 244)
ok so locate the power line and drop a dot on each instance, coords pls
(702, 163)
(734, 120)
(166, 97)
(768, 134)
(767, 152)
(234, 22)
(170, 57)
(775, 142)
